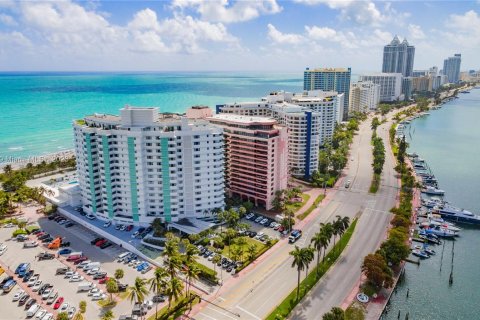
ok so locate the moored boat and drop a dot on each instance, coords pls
(451, 213)
(420, 254)
(433, 191)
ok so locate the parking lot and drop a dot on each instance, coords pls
(79, 238)
(256, 226)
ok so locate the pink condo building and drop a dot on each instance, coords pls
(256, 157)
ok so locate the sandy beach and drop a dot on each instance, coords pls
(18, 163)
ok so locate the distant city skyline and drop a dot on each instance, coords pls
(219, 35)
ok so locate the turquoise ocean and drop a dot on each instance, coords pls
(37, 109)
(448, 140)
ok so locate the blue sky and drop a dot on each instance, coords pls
(228, 35)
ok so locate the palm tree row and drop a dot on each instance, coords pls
(302, 257)
(165, 280)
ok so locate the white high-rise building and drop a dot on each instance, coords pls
(143, 165)
(310, 117)
(390, 85)
(364, 96)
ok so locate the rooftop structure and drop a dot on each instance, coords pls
(398, 57)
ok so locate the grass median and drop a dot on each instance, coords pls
(288, 304)
(312, 207)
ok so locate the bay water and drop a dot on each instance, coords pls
(449, 141)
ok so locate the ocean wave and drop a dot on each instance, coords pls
(15, 148)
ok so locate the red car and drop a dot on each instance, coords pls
(129, 227)
(99, 243)
(40, 234)
(75, 257)
(281, 229)
(103, 280)
(80, 260)
(58, 303)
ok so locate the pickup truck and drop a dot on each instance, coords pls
(294, 236)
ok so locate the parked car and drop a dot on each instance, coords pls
(249, 216)
(122, 287)
(129, 227)
(264, 221)
(118, 226)
(65, 244)
(103, 280)
(95, 240)
(58, 303)
(81, 260)
(74, 257)
(99, 275)
(258, 219)
(158, 298)
(77, 278)
(106, 245)
(30, 303)
(69, 224)
(23, 299)
(123, 227)
(71, 312)
(90, 216)
(18, 295)
(107, 224)
(64, 251)
(98, 296)
(37, 285)
(100, 242)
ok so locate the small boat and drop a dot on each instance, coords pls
(430, 252)
(430, 239)
(434, 191)
(420, 254)
(442, 232)
(425, 249)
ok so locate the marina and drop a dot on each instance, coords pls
(442, 140)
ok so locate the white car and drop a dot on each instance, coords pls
(148, 304)
(64, 307)
(76, 278)
(62, 221)
(259, 235)
(71, 312)
(32, 281)
(19, 294)
(98, 296)
(48, 316)
(9, 225)
(258, 219)
(93, 271)
(3, 250)
(93, 291)
(265, 220)
(37, 285)
(47, 293)
(41, 314)
(90, 216)
(70, 274)
(123, 227)
(249, 216)
(83, 264)
(107, 224)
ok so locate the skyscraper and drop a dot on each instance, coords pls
(398, 57)
(329, 79)
(451, 68)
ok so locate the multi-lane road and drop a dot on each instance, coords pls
(254, 294)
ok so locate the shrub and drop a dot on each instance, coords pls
(30, 229)
(18, 232)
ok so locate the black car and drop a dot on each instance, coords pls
(62, 270)
(252, 234)
(28, 275)
(37, 231)
(53, 216)
(96, 240)
(46, 235)
(99, 275)
(30, 303)
(49, 239)
(43, 288)
(23, 299)
(158, 298)
(106, 245)
(69, 224)
(122, 287)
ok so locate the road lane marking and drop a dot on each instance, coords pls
(222, 313)
(248, 312)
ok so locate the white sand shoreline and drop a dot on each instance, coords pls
(17, 163)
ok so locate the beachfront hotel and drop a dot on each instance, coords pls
(390, 85)
(144, 165)
(310, 117)
(330, 79)
(256, 156)
(364, 96)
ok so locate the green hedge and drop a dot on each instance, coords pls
(207, 273)
(30, 229)
(18, 232)
(312, 207)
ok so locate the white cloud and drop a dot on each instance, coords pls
(7, 20)
(222, 11)
(466, 28)
(14, 38)
(416, 32)
(283, 38)
(345, 39)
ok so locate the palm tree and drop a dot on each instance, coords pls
(327, 229)
(191, 251)
(191, 272)
(174, 289)
(7, 169)
(138, 291)
(337, 229)
(158, 283)
(345, 222)
(82, 308)
(309, 253)
(119, 273)
(108, 315)
(112, 287)
(251, 250)
(319, 240)
(299, 261)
